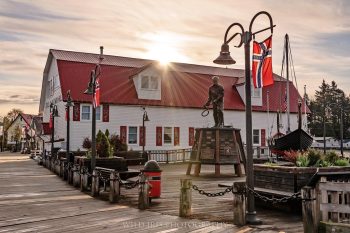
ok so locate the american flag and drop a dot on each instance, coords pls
(96, 100)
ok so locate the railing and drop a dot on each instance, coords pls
(170, 156)
(183, 155)
(326, 207)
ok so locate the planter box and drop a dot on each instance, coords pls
(287, 179)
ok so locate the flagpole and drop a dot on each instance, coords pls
(305, 115)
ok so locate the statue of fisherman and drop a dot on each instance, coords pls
(216, 98)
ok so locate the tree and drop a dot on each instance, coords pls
(104, 147)
(107, 133)
(13, 113)
(329, 103)
(117, 144)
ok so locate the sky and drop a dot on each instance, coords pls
(189, 31)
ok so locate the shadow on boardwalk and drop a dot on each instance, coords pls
(32, 199)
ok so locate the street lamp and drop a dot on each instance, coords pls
(226, 59)
(68, 105)
(144, 118)
(91, 90)
(53, 114)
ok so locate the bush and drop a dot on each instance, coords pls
(302, 161)
(291, 156)
(107, 133)
(331, 157)
(314, 156)
(104, 148)
(117, 144)
(87, 143)
(341, 162)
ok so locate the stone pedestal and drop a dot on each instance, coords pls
(217, 146)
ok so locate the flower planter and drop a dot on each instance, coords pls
(287, 179)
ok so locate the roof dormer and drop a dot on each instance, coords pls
(147, 82)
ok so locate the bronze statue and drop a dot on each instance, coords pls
(216, 97)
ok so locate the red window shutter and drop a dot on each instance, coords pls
(142, 138)
(190, 136)
(105, 117)
(176, 136)
(123, 134)
(76, 112)
(263, 137)
(159, 136)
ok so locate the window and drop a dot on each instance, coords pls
(153, 83)
(149, 82)
(168, 135)
(85, 112)
(256, 137)
(132, 139)
(144, 82)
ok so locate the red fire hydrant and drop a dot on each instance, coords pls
(153, 172)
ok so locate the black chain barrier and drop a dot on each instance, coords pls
(273, 199)
(218, 194)
(247, 189)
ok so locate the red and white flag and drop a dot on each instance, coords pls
(262, 63)
(96, 100)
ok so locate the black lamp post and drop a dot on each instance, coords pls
(225, 59)
(68, 105)
(91, 90)
(54, 113)
(144, 118)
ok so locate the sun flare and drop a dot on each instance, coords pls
(164, 47)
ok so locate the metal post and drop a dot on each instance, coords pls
(68, 127)
(324, 133)
(341, 132)
(251, 213)
(143, 133)
(53, 130)
(93, 136)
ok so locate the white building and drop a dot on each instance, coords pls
(20, 133)
(173, 96)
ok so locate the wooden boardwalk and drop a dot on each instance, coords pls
(32, 199)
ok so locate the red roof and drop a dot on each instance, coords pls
(182, 85)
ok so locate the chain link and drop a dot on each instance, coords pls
(132, 185)
(273, 199)
(247, 189)
(221, 193)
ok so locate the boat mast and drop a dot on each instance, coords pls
(305, 115)
(287, 67)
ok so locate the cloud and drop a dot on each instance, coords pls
(318, 31)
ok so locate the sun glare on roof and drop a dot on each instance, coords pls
(164, 47)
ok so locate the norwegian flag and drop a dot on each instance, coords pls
(96, 100)
(262, 63)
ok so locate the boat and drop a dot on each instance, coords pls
(297, 140)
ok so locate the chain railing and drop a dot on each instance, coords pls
(262, 197)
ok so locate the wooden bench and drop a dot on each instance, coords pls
(132, 157)
(111, 179)
(116, 163)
